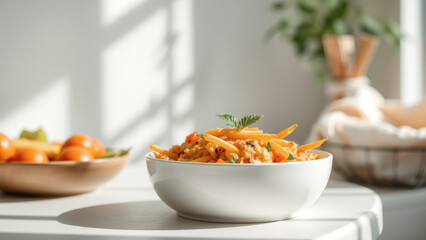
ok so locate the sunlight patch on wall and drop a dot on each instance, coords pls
(183, 68)
(134, 87)
(411, 53)
(114, 9)
(183, 46)
(182, 102)
(48, 109)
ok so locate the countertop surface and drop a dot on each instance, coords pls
(127, 208)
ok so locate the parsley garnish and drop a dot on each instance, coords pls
(290, 157)
(200, 136)
(269, 147)
(233, 160)
(243, 123)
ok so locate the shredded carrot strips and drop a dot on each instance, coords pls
(311, 145)
(221, 142)
(283, 143)
(220, 131)
(203, 159)
(220, 161)
(252, 129)
(225, 131)
(284, 133)
(253, 136)
(158, 149)
(275, 146)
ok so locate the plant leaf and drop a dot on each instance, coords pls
(278, 6)
(304, 33)
(229, 119)
(340, 27)
(280, 27)
(392, 34)
(370, 25)
(393, 27)
(290, 157)
(308, 6)
(248, 120)
(340, 10)
(332, 4)
(269, 147)
(233, 160)
(38, 135)
(117, 153)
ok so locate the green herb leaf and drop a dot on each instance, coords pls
(117, 153)
(290, 157)
(230, 119)
(243, 123)
(201, 136)
(38, 135)
(269, 147)
(233, 160)
(248, 120)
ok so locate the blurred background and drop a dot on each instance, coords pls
(131, 72)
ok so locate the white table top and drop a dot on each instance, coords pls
(128, 208)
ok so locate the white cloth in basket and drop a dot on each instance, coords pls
(359, 118)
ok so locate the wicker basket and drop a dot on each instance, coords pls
(389, 166)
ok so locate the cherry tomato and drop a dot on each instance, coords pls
(278, 157)
(7, 150)
(94, 146)
(192, 137)
(78, 154)
(30, 155)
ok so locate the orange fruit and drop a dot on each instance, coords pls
(99, 148)
(30, 155)
(78, 154)
(7, 149)
(94, 146)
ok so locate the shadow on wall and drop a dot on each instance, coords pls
(105, 68)
(124, 71)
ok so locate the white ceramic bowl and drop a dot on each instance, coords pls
(239, 192)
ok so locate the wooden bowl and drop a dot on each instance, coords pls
(59, 178)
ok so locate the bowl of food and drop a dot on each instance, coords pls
(239, 175)
(31, 165)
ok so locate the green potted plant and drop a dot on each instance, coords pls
(312, 20)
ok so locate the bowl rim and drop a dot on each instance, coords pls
(328, 157)
(68, 162)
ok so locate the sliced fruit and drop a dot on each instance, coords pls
(51, 150)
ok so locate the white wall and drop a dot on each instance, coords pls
(134, 72)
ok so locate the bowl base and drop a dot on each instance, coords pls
(232, 220)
